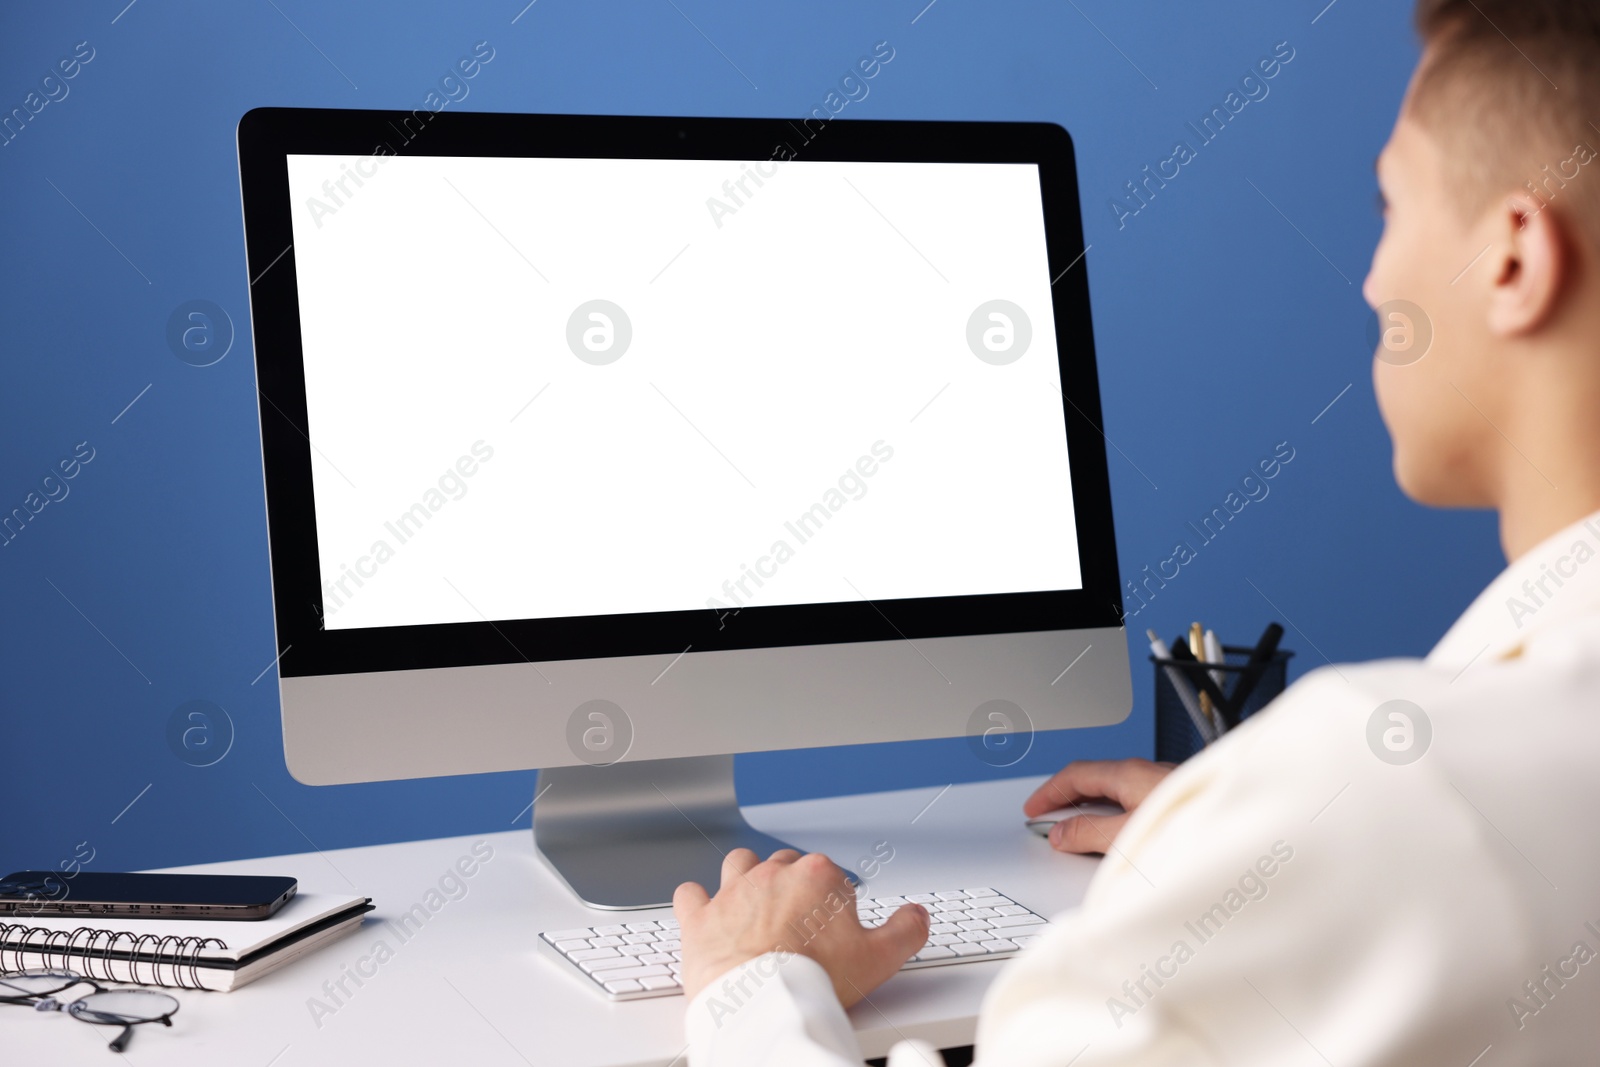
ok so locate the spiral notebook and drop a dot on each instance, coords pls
(181, 953)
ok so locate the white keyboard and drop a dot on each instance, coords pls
(633, 960)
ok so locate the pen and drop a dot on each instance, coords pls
(1260, 656)
(1197, 648)
(1201, 678)
(1185, 691)
(1214, 654)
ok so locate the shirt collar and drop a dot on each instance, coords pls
(1555, 582)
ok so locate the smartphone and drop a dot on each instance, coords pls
(143, 896)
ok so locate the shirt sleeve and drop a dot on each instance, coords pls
(778, 1010)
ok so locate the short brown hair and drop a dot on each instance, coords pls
(1509, 87)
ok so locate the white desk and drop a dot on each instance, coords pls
(469, 986)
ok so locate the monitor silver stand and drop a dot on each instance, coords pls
(626, 835)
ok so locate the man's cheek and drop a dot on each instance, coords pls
(1413, 412)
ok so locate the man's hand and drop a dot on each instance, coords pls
(791, 904)
(1125, 782)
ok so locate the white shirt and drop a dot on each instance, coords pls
(1300, 893)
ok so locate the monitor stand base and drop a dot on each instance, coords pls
(626, 835)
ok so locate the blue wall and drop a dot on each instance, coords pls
(1224, 328)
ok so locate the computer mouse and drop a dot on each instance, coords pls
(1041, 824)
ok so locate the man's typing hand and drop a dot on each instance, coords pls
(790, 904)
(1125, 782)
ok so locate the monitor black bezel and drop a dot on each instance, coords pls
(267, 135)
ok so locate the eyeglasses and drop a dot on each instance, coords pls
(126, 1008)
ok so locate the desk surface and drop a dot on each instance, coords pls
(466, 984)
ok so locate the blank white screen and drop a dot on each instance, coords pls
(774, 346)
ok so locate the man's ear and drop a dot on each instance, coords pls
(1533, 266)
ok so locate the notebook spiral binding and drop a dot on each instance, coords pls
(89, 952)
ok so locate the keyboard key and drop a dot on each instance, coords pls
(670, 945)
(659, 982)
(625, 985)
(595, 967)
(1002, 921)
(1025, 940)
(969, 924)
(980, 893)
(655, 957)
(943, 928)
(922, 898)
(593, 954)
(575, 945)
(568, 935)
(632, 950)
(967, 948)
(890, 902)
(638, 939)
(606, 942)
(934, 952)
(989, 902)
(613, 930)
(942, 939)
(981, 913)
(977, 937)
(644, 927)
(668, 924)
(950, 905)
(1000, 945)
(627, 973)
(952, 894)
(1011, 909)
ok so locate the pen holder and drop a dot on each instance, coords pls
(1177, 738)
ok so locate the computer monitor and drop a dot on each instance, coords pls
(614, 446)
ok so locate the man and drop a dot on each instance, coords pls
(1395, 864)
